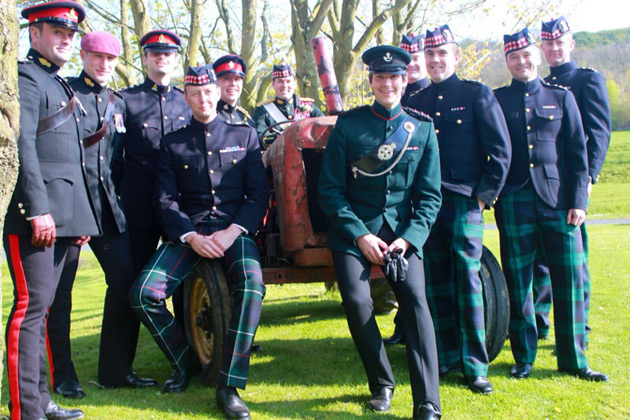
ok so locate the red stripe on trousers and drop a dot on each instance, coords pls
(13, 343)
(51, 362)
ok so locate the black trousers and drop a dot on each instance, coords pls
(35, 273)
(353, 275)
(120, 327)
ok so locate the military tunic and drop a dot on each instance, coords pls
(591, 95)
(152, 112)
(234, 114)
(51, 179)
(548, 176)
(401, 203)
(412, 88)
(209, 176)
(293, 109)
(474, 159)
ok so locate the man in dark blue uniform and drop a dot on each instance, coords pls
(230, 70)
(154, 109)
(102, 134)
(542, 205)
(591, 95)
(416, 80)
(50, 207)
(210, 197)
(416, 70)
(474, 159)
(380, 188)
(286, 106)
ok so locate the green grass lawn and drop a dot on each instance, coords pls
(309, 368)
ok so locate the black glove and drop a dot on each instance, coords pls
(395, 265)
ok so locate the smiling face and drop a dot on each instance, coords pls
(388, 88)
(53, 42)
(203, 101)
(159, 64)
(284, 87)
(558, 51)
(416, 69)
(231, 87)
(99, 66)
(441, 61)
(523, 64)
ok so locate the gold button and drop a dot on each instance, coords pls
(20, 205)
(213, 192)
(100, 99)
(214, 207)
(207, 134)
(22, 211)
(459, 121)
(102, 179)
(166, 117)
(185, 166)
(101, 157)
(145, 125)
(551, 117)
(234, 161)
(63, 103)
(527, 109)
(531, 165)
(209, 153)
(211, 171)
(531, 146)
(163, 98)
(554, 78)
(437, 131)
(102, 118)
(437, 114)
(528, 128)
(77, 118)
(440, 97)
(526, 94)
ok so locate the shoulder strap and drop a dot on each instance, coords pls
(98, 136)
(57, 118)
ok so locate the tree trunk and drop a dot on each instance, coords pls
(9, 117)
(194, 42)
(248, 53)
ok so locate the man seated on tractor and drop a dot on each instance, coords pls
(210, 197)
(285, 107)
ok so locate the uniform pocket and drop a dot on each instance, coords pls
(548, 123)
(61, 199)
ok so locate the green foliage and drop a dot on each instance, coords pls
(601, 38)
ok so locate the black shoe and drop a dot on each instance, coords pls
(381, 401)
(479, 384)
(55, 412)
(521, 370)
(398, 337)
(132, 380)
(450, 368)
(587, 374)
(231, 404)
(179, 380)
(427, 411)
(70, 389)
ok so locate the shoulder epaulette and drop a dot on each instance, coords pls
(266, 101)
(588, 69)
(115, 92)
(177, 88)
(417, 114)
(352, 111)
(128, 88)
(500, 87)
(474, 82)
(554, 86)
(243, 110)
(25, 61)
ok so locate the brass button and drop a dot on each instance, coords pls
(214, 207)
(528, 128)
(531, 146)
(102, 179)
(101, 157)
(20, 205)
(437, 114)
(22, 211)
(166, 117)
(100, 99)
(234, 161)
(77, 118)
(554, 78)
(437, 131)
(527, 109)
(211, 171)
(551, 117)
(440, 97)
(209, 153)
(531, 165)
(213, 192)
(207, 134)
(185, 166)
(145, 125)
(63, 103)
(459, 121)
(526, 94)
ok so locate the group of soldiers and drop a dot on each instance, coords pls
(122, 170)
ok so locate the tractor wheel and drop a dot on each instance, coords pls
(496, 303)
(207, 315)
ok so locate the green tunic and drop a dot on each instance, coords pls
(407, 197)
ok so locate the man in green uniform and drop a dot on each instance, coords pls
(380, 189)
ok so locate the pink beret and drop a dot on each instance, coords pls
(101, 42)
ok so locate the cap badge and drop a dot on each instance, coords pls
(562, 25)
(231, 64)
(72, 14)
(385, 151)
(447, 34)
(162, 39)
(409, 127)
(388, 57)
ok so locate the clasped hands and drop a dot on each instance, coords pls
(215, 244)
